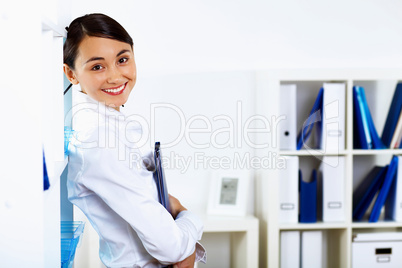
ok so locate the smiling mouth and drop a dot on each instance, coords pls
(116, 90)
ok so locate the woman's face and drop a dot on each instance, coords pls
(106, 70)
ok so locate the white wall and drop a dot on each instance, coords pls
(199, 56)
(21, 173)
(229, 94)
(199, 98)
(190, 36)
(200, 95)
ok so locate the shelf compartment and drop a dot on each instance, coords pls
(362, 165)
(333, 250)
(228, 223)
(379, 94)
(306, 94)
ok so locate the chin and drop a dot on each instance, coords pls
(116, 103)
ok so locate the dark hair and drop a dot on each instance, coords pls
(98, 25)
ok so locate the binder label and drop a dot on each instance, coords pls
(287, 206)
(334, 133)
(334, 205)
(383, 259)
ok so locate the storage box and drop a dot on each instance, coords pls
(71, 233)
(377, 250)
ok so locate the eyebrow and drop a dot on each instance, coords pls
(122, 52)
(101, 58)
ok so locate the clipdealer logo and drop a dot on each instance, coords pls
(200, 160)
(126, 134)
(239, 130)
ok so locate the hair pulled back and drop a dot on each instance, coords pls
(97, 25)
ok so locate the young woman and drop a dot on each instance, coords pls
(116, 193)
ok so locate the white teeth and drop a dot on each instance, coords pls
(115, 90)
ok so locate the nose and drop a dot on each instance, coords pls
(114, 75)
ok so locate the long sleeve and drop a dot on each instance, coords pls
(121, 181)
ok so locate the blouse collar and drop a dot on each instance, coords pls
(85, 101)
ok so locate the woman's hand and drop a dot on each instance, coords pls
(175, 206)
(187, 262)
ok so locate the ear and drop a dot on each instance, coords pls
(70, 74)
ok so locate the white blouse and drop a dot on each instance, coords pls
(108, 181)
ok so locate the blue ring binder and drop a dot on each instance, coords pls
(315, 117)
(159, 177)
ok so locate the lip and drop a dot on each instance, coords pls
(115, 93)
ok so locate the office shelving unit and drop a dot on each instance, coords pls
(54, 110)
(33, 123)
(379, 85)
(53, 135)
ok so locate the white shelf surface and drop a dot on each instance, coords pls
(305, 152)
(312, 226)
(328, 74)
(313, 152)
(379, 224)
(214, 223)
(377, 152)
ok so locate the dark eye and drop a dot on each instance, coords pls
(123, 60)
(96, 68)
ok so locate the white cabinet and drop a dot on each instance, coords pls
(244, 237)
(379, 85)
